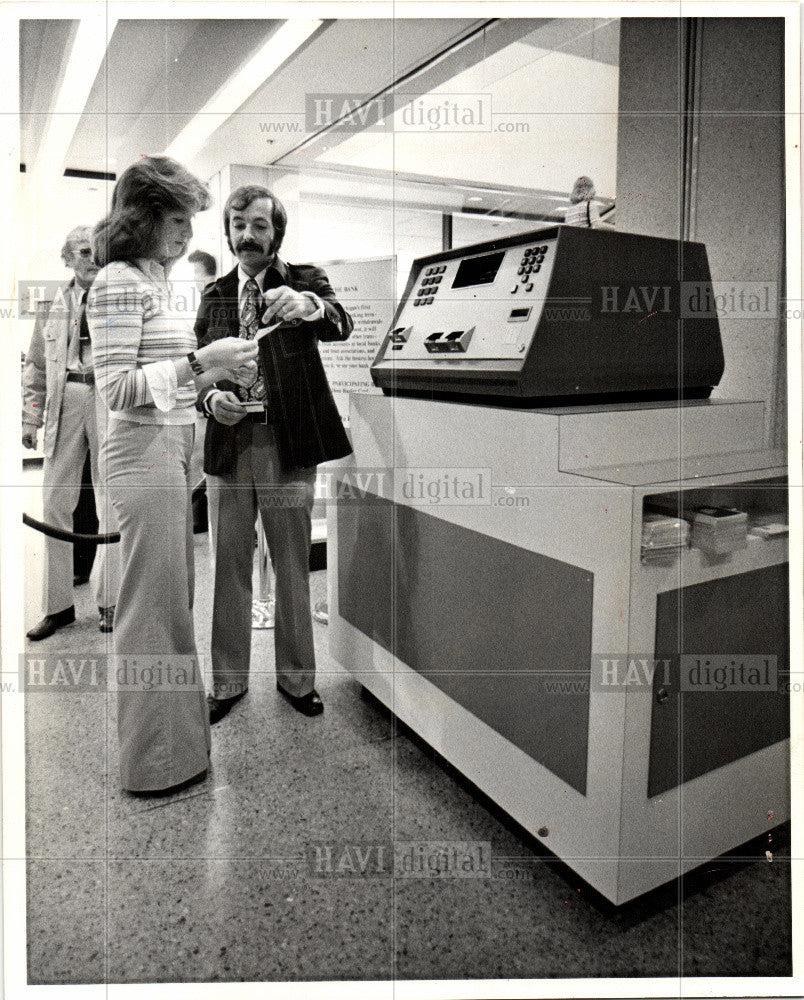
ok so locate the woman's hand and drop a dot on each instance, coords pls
(246, 374)
(228, 352)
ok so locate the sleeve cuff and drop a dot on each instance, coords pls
(319, 311)
(208, 399)
(162, 381)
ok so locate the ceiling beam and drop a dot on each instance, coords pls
(282, 44)
(478, 42)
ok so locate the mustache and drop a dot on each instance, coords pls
(252, 245)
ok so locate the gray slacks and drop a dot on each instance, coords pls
(284, 501)
(163, 718)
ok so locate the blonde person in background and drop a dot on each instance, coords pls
(583, 211)
(149, 372)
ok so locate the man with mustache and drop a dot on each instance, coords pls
(264, 439)
(59, 394)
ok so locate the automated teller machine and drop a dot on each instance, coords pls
(564, 565)
(559, 315)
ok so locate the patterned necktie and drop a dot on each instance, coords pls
(248, 329)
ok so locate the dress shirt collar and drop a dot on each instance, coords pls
(78, 293)
(277, 265)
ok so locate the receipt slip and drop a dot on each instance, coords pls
(266, 330)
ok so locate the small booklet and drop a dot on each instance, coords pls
(253, 405)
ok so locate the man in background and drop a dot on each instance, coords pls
(59, 395)
(204, 269)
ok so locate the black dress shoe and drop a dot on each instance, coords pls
(307, 704)
(197, 779)
(79, 581)
(51, 623)
(220, 707)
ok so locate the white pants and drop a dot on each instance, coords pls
(163, 726)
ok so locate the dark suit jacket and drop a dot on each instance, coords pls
(307, 424)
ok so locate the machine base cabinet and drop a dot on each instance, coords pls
(487, 584)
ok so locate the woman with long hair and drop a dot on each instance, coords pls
(148, 371)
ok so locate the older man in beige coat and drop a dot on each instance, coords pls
(59, 395)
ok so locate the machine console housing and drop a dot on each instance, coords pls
(559, 313)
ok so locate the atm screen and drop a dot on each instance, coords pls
(478, 270)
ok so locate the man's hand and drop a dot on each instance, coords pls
(226, 408)
(29, 436)
(284, 305)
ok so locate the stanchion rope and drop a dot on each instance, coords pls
(74, 536)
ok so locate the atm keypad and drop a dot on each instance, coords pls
(428, 285)
(533, 255)
(530, 264)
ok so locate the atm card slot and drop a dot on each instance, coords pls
(448, 343)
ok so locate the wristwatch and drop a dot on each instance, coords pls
(195, 364)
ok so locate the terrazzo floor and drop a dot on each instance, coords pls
(217, 883)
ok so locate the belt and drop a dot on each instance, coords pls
(87, 378)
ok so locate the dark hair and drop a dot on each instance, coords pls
(242, 197)
(206, 260)
(144, 194)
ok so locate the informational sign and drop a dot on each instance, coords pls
(365, 288)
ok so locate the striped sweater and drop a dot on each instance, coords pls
(136, 327)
